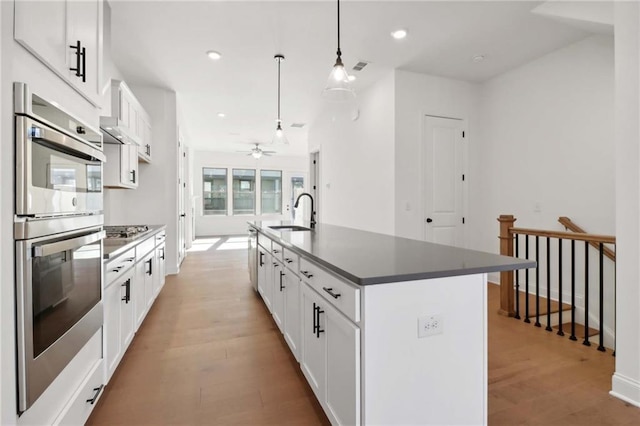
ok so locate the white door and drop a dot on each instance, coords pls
(443, 174)
(314, 182)
(181, 210)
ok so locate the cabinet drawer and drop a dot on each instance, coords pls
(276, 250)
(145, 247)
(291, 261)
(345, 297)
(119, 266)
(264, 242)
(160, 237)
(79, 408)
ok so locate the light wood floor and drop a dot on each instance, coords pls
(209, 353)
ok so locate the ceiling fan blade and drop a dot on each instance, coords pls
(269, 152)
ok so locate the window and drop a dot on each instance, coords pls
(244, 191)
(214, 191)
(271, 191)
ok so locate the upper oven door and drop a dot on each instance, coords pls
(55, 173)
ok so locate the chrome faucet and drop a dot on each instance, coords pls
(313, 213)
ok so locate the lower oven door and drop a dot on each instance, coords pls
(59, 308)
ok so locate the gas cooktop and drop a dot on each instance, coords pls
(125, 231)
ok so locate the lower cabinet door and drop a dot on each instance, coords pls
(314, 346)
(277, 300)
(343, 369)
(149, 277)
(112, 307)
(127, 314)
(292, 313)
(138, 293)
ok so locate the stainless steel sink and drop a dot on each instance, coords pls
(289, 228)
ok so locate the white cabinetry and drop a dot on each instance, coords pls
(144, 286)
(118, 310)
(277, 298)
(159, 277)
(67, 37)
(292, 312)
(121, 169)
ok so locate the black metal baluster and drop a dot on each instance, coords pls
(560, 332)
(517, 283)
(586, 294)
(601, 337)
(526, 281)
(548, 327)
(573, 291)
(537, 323)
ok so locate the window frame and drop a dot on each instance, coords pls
(226, 186)
(280, 211)
(255, 191)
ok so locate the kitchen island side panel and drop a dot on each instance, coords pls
(439, 379)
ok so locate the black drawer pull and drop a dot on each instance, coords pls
(117, 268)
(306, 274)
(131, 259)
(288, 260)
(330, 291)
(276, 264)
(97, 392)
(275, 251)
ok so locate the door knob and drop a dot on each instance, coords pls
(429, 220)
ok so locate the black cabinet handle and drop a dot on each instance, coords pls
(261, 257)
(148, 150)
(275, 264)
(330, 291)
(84, 65)
(117, 269)
(275, 251)
(317, 320)
(288, 260)
(95, 396)
(281, 286)
(306, 274)
(429, 220)
(127, 291)
(133, 176)
(77, 69)
(131, 259)
(150, 262)
(314, 318)
(162, 254)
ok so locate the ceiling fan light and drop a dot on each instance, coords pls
(257, 153)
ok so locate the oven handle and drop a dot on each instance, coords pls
(43, 134)
(49, 249)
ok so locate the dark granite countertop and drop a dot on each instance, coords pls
(369, 258)
(114, 247)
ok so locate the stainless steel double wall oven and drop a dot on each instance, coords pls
(58, 239)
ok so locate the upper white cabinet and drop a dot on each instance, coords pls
(67, 36)
(128, 123)
(121, 169)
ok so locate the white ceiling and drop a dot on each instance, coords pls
(163, 43)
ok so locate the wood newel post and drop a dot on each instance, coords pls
(507, 295)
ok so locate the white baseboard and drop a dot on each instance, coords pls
(626, 389)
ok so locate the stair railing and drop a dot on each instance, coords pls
(510, 280)
(570, 225)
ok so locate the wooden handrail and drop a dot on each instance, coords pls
(569, 224)
(592, 238)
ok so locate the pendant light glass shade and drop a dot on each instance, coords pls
(279, 137)
(338, 86)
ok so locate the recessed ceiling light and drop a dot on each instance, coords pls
(352, 77)
(478, 58)
(212, 54)
(222, 115)
(399, 34)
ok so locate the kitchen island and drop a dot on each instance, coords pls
(387, 330)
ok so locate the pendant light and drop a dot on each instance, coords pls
(279, 137)
(338, 85)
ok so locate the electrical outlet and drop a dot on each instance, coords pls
(430, 325)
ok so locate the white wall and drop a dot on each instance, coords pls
(626, 380)
(155, 201)
(546, 138)
(357, 160)
(234, 225)
(418, 95)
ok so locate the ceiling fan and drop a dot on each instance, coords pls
(258, 152)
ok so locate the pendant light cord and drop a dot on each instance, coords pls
(339, 52)
(279, 60)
